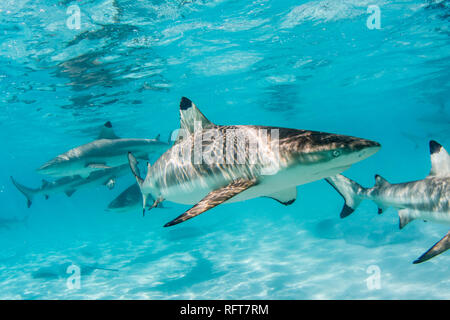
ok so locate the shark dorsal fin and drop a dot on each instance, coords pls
(107, 132)
(189, 116)
(380, 181)
(440, 160)
(158, 137)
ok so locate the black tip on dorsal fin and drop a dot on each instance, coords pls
(185, 103)
(434, 147)
(158, 137)
(108, 124)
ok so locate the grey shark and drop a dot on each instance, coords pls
(69, 185)
(8, 223)
(286, 158)
(426, 199)
(128, 200)
(106, 152)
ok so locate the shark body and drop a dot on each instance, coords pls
(9, 223)
(285, 159)
(70, 184)
(427, 199)
(128, 200)
(106, 152)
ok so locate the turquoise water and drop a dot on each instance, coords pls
(299, 64)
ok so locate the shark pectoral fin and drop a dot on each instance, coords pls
(441, 246)
(69, 193)
(97, 166)
(440, 160)
(286, 197)
(405, 217)
(213, 199)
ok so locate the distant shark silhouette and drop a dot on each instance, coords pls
(426, 199)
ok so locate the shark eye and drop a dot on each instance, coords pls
(336, 153)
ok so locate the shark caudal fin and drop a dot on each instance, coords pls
(441, 246)
(27, 192)
(135, 170)
(349, 190)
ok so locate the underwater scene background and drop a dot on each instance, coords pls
(315, 65)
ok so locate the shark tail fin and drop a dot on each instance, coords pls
(137, 174)
(349, 190)
(27, 192)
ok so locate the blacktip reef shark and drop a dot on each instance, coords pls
(426, 199)
(69, 185)
(128, 200)
(106, 152)
(286, 158)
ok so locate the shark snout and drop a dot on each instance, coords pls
(363, 148)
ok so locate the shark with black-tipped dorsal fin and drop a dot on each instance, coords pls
(427, 199)
(211, 164)
(69, 185)
(106, 152)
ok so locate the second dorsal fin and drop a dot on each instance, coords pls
(380, 181)
(107, 132)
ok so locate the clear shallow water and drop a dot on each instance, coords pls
(308, 65)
